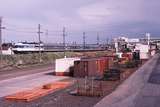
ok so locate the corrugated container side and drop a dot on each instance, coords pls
(80, 69)
(128, 55)
(144, 55)
(91, 67)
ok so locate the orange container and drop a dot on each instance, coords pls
(128, 55)
(91, 67)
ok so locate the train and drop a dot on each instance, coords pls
(33, 47)
(27, 47)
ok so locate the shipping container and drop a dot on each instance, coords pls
(144, 51)
(123, 60)
(152, 52)
(142, 48)
(63, 67)
(91, 67)
(136, 55)
(128, 55)
(119, 54)
(112, 74)
(144, 55)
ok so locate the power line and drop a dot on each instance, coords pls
(19, 26)
(91, 26)
(19, 31)
(54, 31)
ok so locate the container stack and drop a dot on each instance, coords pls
(144, 51)
(91, 67)
(82, 67)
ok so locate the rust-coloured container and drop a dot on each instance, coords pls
(128, 55)
(91, 67)
(110, 61)
(123, 60)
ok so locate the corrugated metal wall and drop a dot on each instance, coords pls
(92, 66)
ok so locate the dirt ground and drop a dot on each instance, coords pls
(62, 98)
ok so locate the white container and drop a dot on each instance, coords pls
(144, 55)
(119, 54)
(143, 49)
(62, 66)
(153, 52)
(7, 52)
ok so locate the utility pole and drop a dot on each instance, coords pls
(148, 38)
(64, 41)
(107, 41)
(97, 38)
(1, 39)
(46, 38)
(116, 45)
(39, 40)
(84, 40)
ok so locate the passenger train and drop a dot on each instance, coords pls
(26, 47)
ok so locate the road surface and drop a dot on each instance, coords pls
(25, 71)
(27, 82)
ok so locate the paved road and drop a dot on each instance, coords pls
(13, 85)
(25, 71)
(142, 89)
(24, 79)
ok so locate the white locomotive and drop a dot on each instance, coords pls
(27, 47)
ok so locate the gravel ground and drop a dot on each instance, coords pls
(62, 98)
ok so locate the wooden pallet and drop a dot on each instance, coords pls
(36, 93)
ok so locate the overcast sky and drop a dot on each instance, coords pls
(110, 18)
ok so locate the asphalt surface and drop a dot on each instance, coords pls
(8, 74)
(142, 89)
(155, 76)
(27, 82)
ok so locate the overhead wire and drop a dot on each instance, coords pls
(57, 33)
(19, 26)
(21, 31)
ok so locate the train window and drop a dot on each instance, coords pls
(21, 46)
(16, 46)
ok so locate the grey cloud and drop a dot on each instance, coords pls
(111, 17)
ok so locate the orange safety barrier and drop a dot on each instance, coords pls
(35, 93)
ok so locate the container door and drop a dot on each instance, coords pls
(85, 68)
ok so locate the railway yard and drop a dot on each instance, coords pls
(33, 78)
(79, 53)
(60, 98)
(78, 79)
